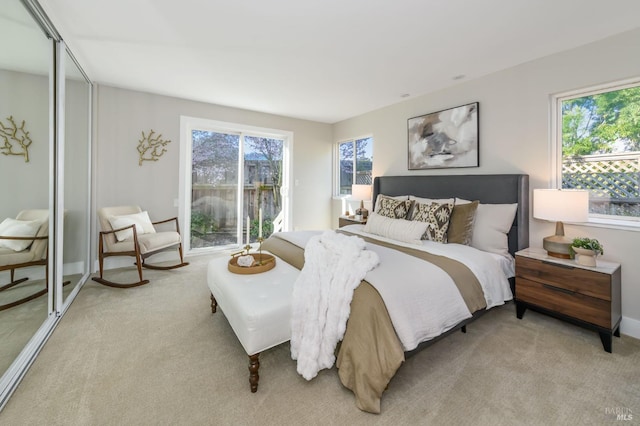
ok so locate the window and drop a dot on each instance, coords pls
(355, 162)
(598, 144)
(231, 172)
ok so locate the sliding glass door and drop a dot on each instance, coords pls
(233, 182)
(214, 189)
(262, 183)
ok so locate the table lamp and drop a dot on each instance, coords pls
(362, 193)
(560, 205)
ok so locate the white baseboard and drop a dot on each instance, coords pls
(630, 327)
(73, 268)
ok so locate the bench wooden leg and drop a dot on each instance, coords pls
(214, 304)
(254, 365)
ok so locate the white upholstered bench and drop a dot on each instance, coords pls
(257, 306)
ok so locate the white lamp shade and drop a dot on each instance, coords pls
(563, 205)
(361, 192)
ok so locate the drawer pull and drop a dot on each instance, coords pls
(561, 290)
(559, 265)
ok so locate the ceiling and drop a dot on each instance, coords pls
(322, 60)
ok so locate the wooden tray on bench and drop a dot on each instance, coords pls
(263, 263)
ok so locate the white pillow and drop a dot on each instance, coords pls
(491, 225)
(407, 231)
(18, 228)
(461, 201)
(431, 200)
(140, 220)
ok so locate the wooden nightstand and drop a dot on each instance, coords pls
(350, 220)
(586, 296)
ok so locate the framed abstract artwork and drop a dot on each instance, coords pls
(444, 139)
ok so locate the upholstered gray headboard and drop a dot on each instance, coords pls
(488, 189)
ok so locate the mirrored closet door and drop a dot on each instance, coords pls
(45, 175)
(25, 164)
(77, 177)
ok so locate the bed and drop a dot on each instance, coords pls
(374, 346)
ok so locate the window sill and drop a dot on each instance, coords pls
(625, 225)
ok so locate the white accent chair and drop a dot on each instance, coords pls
(35, 254)
(141, 242)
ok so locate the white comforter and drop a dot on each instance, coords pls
(422, 300)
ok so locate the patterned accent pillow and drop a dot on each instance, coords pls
(437, 215)
(395, 209)
(395, 197)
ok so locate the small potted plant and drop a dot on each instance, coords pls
(586, 250)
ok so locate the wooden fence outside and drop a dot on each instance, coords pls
(613, 181)
(214, 218)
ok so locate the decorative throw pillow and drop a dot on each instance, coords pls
(380, 197)
(140, 220)
(390, 207)
(18, 228)
(397, 229)
(492, 223)
(461, 223)
(438, 216)
(421, 200)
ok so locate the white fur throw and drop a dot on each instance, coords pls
(334, 266)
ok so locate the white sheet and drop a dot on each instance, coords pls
(507, 263)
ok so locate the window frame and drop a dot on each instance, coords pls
(595, 220)
(187, 125)
(336, 162)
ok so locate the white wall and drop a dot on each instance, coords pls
(121, 116)
(25, 185)
(514, 136)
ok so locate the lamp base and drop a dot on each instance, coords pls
(557, 246)
(364, 213)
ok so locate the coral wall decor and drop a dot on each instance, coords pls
(151, 147)
(16, 139)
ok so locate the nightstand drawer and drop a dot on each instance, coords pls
(579, 280)
(590, 309)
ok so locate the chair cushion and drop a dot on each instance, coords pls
(147, 242)
(18, 228)
(11, 257)
(39, 247)
(158, 241)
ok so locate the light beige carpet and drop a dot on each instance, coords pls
(155, 355)
(20, 323)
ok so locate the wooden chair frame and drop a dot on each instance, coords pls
(42, 262)
(140, 258)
